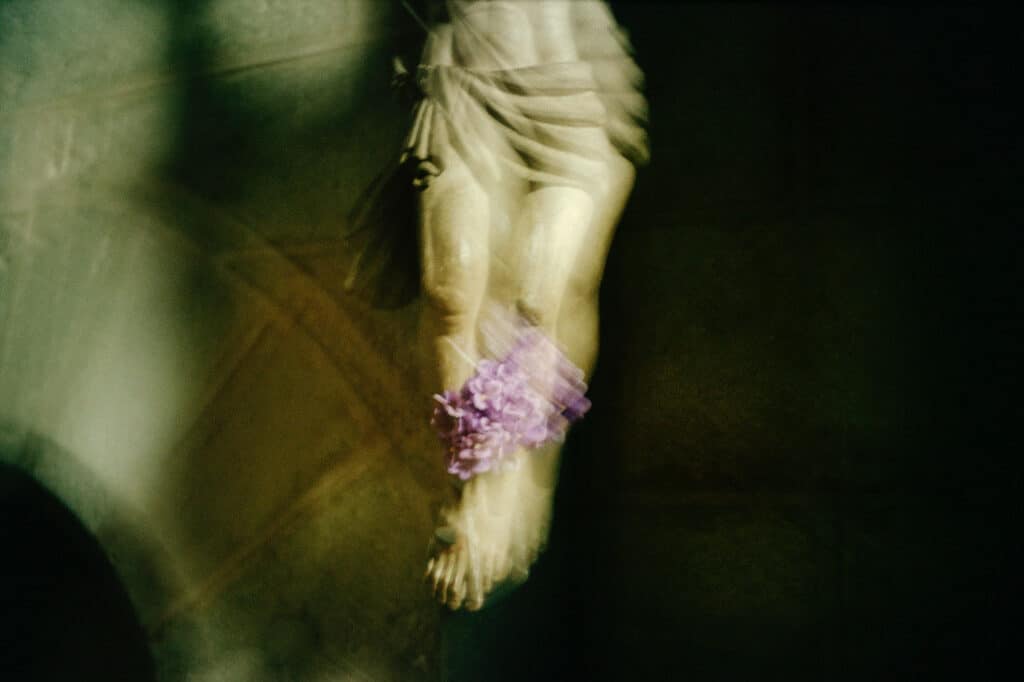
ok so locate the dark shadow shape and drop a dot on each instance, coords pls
(66, 615)
(386, 272)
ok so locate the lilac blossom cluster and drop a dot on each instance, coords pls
(528, 398)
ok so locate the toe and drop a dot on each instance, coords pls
(437, 578)
(457, 590)
(448, 577)
(456, 595)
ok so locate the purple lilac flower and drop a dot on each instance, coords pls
(528, 398)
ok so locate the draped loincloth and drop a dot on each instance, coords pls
(543, 124)
(548, 124)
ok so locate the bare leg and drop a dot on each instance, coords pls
(546, 263)
(509, 511)
(501, 518)
(548, 266)
(454, 234)
(577, 325)
(577, 329)
(564, 247)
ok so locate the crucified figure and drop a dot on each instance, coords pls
(524, 141)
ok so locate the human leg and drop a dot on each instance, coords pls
(454, 233)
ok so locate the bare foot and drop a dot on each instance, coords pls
(446, 572)
(474, 542)
(493, 533)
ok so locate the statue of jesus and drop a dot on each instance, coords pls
(527, 131)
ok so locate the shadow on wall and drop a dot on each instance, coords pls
(62, 602)
(172, 212)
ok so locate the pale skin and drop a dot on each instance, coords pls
(538, 249)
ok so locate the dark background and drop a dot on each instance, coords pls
(798, 460)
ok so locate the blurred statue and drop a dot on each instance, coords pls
(527, 127)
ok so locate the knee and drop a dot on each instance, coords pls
(579, 301)
(451, 300)
(537, 310)
(582, 290)
(543, 305)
